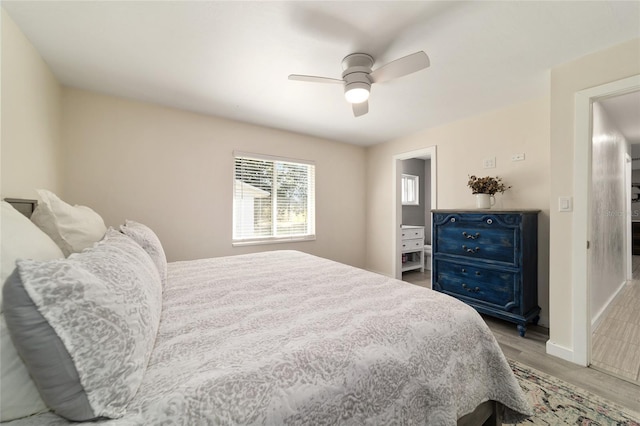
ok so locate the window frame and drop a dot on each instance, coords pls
(309, 235)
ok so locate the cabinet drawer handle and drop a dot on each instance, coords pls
(470, 250)
(471, 237)
(469, 289)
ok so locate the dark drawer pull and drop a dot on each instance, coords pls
(471, 237)
(473, 290)
(470, 250)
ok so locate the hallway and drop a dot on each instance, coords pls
(616, 341)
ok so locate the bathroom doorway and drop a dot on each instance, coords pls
(420, 213)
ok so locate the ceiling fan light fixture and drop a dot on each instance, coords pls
(358, 77)
(357, 92)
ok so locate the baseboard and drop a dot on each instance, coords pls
(597, 318)
(561, 352)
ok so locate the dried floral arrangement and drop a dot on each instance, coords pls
(487, 185)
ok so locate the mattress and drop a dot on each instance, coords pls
(285, 337)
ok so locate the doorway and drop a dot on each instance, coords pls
(615, 349)
(584, 310)
(427, 154)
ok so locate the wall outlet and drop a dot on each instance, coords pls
(517, 157)
(489, 163)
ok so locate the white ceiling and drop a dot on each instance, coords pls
(232, 58)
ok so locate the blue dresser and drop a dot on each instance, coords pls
(489, 260)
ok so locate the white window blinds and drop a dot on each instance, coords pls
(410, 190)
(273, 199)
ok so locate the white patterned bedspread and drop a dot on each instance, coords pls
(288, 338)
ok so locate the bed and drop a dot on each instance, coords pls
(284, 337)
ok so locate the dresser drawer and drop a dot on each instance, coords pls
(413, 233)
(485, 286)
(412, 245)
(483, 237)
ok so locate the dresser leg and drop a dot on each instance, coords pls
(522, 329)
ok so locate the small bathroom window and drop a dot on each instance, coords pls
(410, 190)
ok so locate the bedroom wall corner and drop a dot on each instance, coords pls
(30, 119)
(461, 147)
(173, 171)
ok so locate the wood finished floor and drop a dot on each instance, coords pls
(616, 342)
(531, 351)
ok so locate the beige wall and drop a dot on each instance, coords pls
(30, 135)
(593, 70)
(173, 170)
(461, 146)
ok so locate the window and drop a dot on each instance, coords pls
(273, 199)
(410, 190)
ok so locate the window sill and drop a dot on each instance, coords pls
(241, 243)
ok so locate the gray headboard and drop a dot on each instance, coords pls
(24, 206)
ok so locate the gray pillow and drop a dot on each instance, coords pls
(150, 242)
(87, 335)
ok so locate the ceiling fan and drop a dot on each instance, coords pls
(358, 77)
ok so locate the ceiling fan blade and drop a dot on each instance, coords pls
(314, 79)
(400, 67)
(360, 109)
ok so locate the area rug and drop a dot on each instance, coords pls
(557, 402)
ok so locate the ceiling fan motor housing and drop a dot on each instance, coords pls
(357, 68)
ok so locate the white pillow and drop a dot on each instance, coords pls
(19, 396)
(73, 228)
(19, 238)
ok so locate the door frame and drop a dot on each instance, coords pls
(628, 171)
(396, 193)
(581, 286)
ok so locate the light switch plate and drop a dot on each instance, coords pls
(565, 204)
